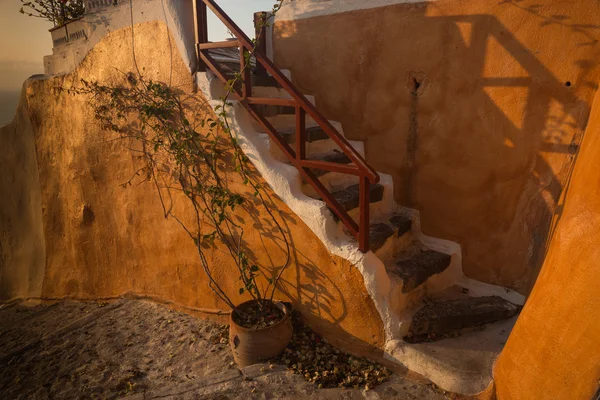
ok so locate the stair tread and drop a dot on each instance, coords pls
(349, 198)
(379, 233)
(402, 223)
(335, 156)
(470, 356)
(417, 268)
(258, 80)
(313, 134)
(442, 317)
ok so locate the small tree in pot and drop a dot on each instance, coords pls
(184, 149)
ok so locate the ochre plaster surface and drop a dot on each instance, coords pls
(22, 253)
(474, 107)
(103, 240)
(553, 352)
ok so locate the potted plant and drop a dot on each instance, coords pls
(60, 12)
(185, 149)
(182, 153)
(259, 331)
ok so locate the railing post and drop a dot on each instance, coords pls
(364, 203)
(303, 107)
(246, 72)
(260, 18)
(300, 133)
(201, 30)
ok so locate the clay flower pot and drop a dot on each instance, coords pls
(253, 346)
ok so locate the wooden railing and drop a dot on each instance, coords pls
(303, 107)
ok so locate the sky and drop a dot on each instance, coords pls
(24, 41)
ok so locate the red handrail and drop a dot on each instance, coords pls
(360, 168)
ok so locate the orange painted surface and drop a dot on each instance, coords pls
(553, 352)
(103, 240)
(484, 145)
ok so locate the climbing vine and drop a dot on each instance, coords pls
(182, 151)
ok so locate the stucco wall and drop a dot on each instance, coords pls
(553, 352)
(103, 240)
(22, 252)
(474, 107)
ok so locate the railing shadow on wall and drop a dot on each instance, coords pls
(500, 144)
(561, 182)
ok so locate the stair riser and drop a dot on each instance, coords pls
(264, 81)
(217, 89)
(313, 149)
(439, 282)
(382, 207)
(272, 111)
(277, 93)
(404, 304)
(234, 66)
(352, 203)
(423, 273)
(333, 181)
(282, 122)
(394, 245)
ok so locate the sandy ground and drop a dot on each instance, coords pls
(138, 350)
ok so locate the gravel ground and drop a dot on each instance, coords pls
(142, 350)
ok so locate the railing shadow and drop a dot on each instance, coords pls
(476, 129)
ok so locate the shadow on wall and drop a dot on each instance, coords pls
(305, 284)
(479, 131)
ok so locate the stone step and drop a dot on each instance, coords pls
(271, 111)
(258, 80)
(313, 134)
(379, 233)
(349, 198)
(461, 364)
(264, 82)
(445, 318)
(416, 268)
(230, 68)
(333, 181)
(402, 223)
(335, 156)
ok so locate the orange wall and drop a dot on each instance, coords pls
(103, 240)
(485, 144)
(22, 253)
(553, 352)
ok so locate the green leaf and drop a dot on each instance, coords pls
(254, 268)
(242, 290)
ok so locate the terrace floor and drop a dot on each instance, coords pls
(138, 349)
